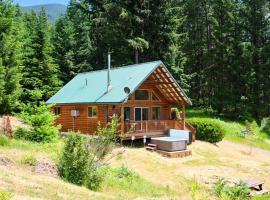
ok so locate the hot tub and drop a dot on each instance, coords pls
(170, 143)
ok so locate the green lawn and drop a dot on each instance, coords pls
(233, 129)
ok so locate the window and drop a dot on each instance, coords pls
(154, 97)
(92, 111)
(156, 113)
(127, 113)
(57, 110)
(141, 95)
(141, 114)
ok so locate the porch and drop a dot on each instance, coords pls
(153, 128)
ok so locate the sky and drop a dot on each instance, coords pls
(37, 2)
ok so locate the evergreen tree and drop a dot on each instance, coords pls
(63, 41)
(40, 73)
(10, 55)
(72, 42)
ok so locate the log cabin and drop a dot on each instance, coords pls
(142, 95)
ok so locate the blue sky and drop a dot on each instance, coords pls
(37, 2)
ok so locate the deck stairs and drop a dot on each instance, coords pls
(151, 147)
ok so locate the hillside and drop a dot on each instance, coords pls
(157, 177)
(53, 10)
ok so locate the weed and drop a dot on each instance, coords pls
(4, 141)
(4, 195)
(29, 160)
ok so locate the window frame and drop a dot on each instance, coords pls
(148, 91)
(92, 116)
(56, 108)
(153, 112)
(129, 113)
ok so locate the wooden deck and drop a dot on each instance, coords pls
(141, 135)
(153, 128)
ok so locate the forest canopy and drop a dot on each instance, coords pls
(218, 51)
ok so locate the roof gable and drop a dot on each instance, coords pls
(91, 87)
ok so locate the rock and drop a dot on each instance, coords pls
(46, 167)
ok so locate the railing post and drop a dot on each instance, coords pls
(122, 119)
(184, 115)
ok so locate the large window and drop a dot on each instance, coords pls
(156, 113)
(142, 95)
(57, 110)
(127, 113)
(92, 111)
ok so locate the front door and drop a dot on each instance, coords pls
(141, 114)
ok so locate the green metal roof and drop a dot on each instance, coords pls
(91, 87)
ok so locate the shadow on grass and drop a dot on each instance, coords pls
(138, 143)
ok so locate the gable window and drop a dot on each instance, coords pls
(57, 110)
(92, 111)
(156, 113)
(127, 113)
(154, 97)
(142, 95)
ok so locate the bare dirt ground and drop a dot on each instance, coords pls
(208, 163)
(14, 123)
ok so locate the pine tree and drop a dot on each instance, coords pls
(62, 49)
(10, 52)
(40, 73)
(72, 42)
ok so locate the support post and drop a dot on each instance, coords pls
(122, 119)
(184, 115)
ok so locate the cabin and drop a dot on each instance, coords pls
(142, 95)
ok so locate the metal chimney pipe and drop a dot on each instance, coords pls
(109, 86)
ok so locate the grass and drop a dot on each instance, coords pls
(233, 129)
(128, 184)
(50, 150)
(119, 183)
(4, 141)
(29, 160)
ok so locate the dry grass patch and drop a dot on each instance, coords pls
(207, 163)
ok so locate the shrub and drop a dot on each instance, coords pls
(4, 141)
(41, 120)
(83, 158)
(265, 125)
(74, 160)
(239, 191)
(29, 160)
(207, 130)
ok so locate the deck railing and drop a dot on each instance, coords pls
(152, 125)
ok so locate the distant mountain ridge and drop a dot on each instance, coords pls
(54, 11)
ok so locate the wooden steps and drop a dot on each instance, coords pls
(151, 147)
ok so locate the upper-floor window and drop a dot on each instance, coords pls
(57, 110)
(141, 95)
(92, 111)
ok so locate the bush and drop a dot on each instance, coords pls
(41, 121)
(265, 125)
(82, 158)
(4, 141)
(74, 160)
(239, 191)
(207, 130)
(29, 160)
